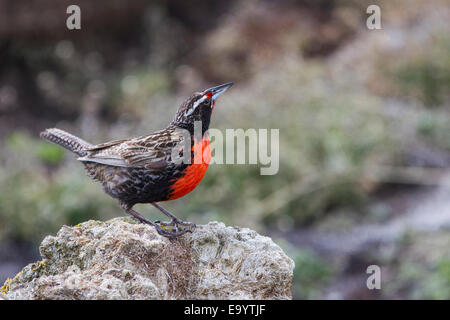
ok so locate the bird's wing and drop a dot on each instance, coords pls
(151, 152)
(105, 145)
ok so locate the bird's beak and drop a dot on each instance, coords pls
(217, 91)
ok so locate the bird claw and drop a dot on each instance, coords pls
(171, 234)
(161, 227)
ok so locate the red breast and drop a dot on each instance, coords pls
(194, 173)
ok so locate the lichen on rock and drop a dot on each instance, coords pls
(122, 259)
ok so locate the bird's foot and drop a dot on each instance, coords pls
(171, 234)
(174, 225)
(161, 227)
(172, 228)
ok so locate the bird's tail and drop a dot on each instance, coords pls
(66, 140)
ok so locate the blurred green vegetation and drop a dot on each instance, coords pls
(426, 76)
(340, 113)
(311, 275)
(35, 202)
(421, 268)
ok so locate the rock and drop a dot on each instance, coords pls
(123, 259)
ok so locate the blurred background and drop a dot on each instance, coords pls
(364, 119)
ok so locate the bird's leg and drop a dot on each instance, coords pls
(174, 221)
(161, 231)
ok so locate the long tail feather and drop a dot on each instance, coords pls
(66, 140)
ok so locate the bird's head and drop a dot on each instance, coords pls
(199, 107)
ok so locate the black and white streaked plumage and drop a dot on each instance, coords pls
(141, 169)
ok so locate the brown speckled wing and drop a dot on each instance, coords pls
(151, 152)
(106, 145)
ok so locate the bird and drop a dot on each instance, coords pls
(147, 169)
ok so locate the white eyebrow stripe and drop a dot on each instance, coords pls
(196, 104)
